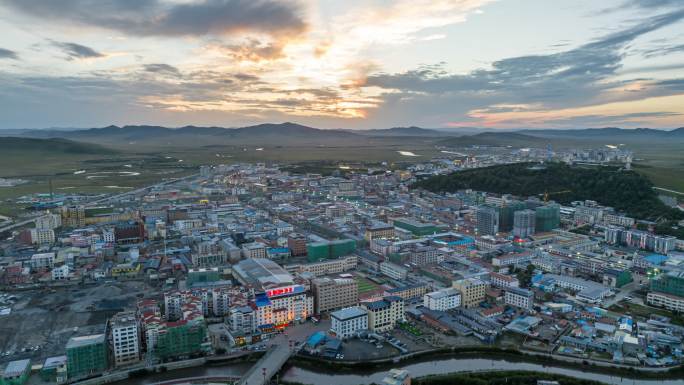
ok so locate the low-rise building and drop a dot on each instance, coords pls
(393, 270)
(349, 321)
(443, 300)
(519, 297)
(667, 301)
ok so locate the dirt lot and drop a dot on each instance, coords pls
(48, 318)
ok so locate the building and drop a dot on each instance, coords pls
(616, 278)
(124, 338)
(384, 314)
(60, 273)
(86, 356)
(129, 232)
(317, 251)
(502, 280)
(444, 299)
(519, 298)
(547, 217)
(524, 223)
(644, 240)
(54, 369)
(587, 291)
(38, 236)
(667, 301)
(333, 294)
(331, 266)
(184, 332)
(49, 221)
(472, 291)
(254, 250)
(416, 228)
(42, 261)
(73, 216)
(669, 283)
(349, 321)
(408, 292)
(393, 270)
(297, 244)
(279, 300)
(379, 230)
(16, 372)
(487, 220)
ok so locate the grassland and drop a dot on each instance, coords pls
(155, 160)
(365, 285)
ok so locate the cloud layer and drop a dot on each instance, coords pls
(368, 63)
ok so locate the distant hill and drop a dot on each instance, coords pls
(285, 133)
(496, 139)
(609, 132)
(403, 131)
(626, 191)
(13, 145)
(293, 134)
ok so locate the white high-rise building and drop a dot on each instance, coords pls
(125, 339)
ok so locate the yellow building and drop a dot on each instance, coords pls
(384, 314)
(472, 291)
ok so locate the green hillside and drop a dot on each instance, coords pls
(49, 146)
(626, 191)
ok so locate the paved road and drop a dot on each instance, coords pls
(281, 348)
(19, 224)
(625, 291)
(138, 191)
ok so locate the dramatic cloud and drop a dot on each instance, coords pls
(162, 68)
(168, 18)
(653, 4)
(358, 63)
(8, 54)
(663, 50)
(77, 51)
(577, 77)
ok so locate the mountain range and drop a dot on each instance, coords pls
(287, 134)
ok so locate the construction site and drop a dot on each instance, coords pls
(42, 321)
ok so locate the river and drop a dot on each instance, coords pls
(444, 366)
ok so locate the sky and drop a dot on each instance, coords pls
(353, 64)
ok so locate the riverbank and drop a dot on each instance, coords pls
(493, 353)
(492, 378)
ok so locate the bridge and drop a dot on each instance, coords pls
(261, 373)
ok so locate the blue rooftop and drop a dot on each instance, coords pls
(656, 259)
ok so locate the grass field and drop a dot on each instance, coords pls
(662, 163)
(365, 285)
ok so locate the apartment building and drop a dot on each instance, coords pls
(379, 230)
(503, 281)
(384, 314)
(332, 266)
(393, 270)
(124, 338)
(349, 321)
(333, 294)
(444, 299)
(472, 291)
(519, 298)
